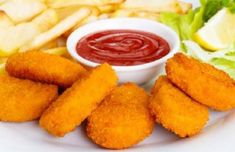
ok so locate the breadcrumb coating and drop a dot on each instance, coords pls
(24, 100)
(202, 82)
(43, 67)
(175, 111)
(77, 102)
(122, 120)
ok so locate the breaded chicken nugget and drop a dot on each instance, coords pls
(77, 102)
(128, 93)
(24, 100)
(122, 120)
(202, 82)
(175, 110)
(43, 67)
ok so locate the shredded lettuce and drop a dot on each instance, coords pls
(213, 6)
(222, 59)
(188, 24)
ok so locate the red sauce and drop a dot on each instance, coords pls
(122, 47)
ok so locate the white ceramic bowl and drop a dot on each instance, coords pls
(138, 73)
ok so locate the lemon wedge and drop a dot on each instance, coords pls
(218, 33)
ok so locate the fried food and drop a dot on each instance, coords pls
(58, 30)
(175, 110)
(14, 37)
(122, 120)
(153, 5)
(202, 82)
(43, 67)
(24, 100)
(66, 3)
(5, 21)
(22, 10)
(77, 102)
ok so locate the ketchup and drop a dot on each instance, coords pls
(122, 47)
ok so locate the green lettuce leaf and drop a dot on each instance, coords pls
(222, 59)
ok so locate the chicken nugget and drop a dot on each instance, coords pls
(202, 82)
(44, 67)
(24, 100)
(77, 102)
(175, 110)
(122, 120)
(125, 94)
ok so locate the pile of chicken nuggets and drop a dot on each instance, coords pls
(117, 117)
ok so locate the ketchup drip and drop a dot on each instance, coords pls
(122, 47)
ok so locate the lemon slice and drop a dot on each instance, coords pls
(219, 32)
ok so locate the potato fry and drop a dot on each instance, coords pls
(153, 5)
(57, 51)
(22, 10)
(185, 7)
(61, 42)
(61, 51)
(46, 20)
(64, 12)
(5, 21)
(58, 42)
(65, 3)
(57, 30)
(107, 8)
(2, 69)
(92, 17)
(13, 38)
(134, 13)
(50, 45)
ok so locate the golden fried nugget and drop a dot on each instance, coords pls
(77, 102)
(122, 120)
(202, 82)
(175, 110)
(43, 67)
(24, 100)
(128, 93)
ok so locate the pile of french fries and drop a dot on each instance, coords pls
(44, 25)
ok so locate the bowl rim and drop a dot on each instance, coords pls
(72, 51)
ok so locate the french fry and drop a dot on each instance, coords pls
(147, 15)
(104, 16)
(65, 3)
(57, 30)
(133, 13)
(152, 5)
(57, 51)
(123, 13)
(49, 45)
(61, 41)
(14, 37)
(107, 8)
(2, 68)
(5, 21)
(92, 17)
(185, 7)
(46, 20)
(64, 12)
(67, 11)
(58, 42)
(22, 10)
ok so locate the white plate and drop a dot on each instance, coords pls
(218, 136)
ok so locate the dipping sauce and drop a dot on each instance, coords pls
(122, 47)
